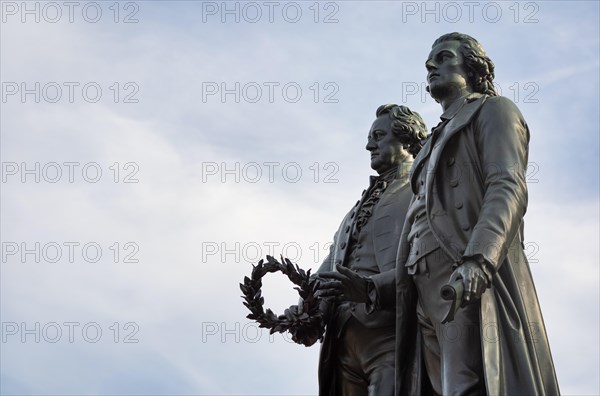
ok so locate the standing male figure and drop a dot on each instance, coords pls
(358, 352)
(466, 222)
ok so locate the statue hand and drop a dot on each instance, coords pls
(474, 280)
(306, 336)
(344, 285)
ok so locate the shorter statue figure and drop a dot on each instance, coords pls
(358, 351)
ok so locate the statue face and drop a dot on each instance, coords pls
(446, 75)
(385, 147)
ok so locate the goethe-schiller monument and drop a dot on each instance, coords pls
(427, 289)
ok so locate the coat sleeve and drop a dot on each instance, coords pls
(327, 264)
(502, 139)
(383, 294)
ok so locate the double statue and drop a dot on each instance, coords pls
(446, 208)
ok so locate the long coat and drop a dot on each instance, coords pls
(384, 228)
(476, 199)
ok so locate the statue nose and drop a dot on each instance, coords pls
(430, 65)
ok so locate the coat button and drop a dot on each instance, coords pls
(458, 205)
(453, 183)
(352, 215)
(343, 245)
(364, 191)
(450, 161)
(422, 182)
(347, 229)
(357, 202)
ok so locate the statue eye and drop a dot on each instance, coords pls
(444, 57)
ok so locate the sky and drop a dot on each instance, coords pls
(152, 151)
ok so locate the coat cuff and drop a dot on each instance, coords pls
(381, 289)
(487, 244)
(372, 303)
(486, 267)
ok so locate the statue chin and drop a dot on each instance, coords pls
(446, 91)
(438, 92)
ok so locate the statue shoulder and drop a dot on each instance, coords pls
(499, 105)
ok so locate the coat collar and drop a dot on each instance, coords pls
(456, 117)
(400, 173)
(458, 105)
(466, 109)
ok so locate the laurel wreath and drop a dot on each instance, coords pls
(297, 319)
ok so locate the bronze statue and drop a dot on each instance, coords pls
(467, 318)
(465, 222)
(358, 351)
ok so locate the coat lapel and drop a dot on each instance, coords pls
(384, 226)
(347, 224)
(425, 150)
(386, 199)
(457, 123)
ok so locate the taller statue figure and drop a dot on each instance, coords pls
(465, 222)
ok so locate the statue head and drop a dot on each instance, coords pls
(395, 137)
(458, 56)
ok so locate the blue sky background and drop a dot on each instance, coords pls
(196, 236)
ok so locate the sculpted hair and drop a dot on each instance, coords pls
(407, 125)
(479, 67)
